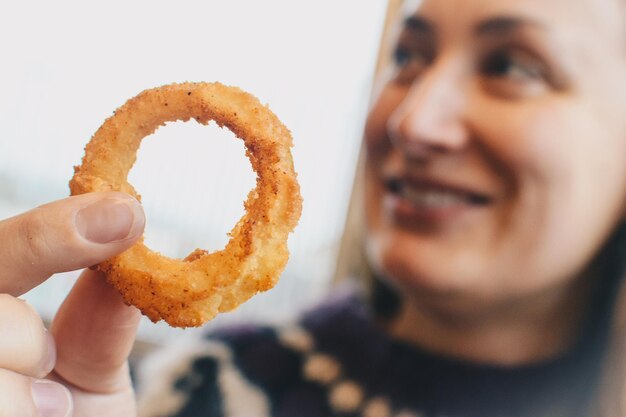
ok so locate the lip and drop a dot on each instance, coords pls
(424, 201)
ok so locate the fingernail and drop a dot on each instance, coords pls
(110, 220)
(51, 354)
(52, 399)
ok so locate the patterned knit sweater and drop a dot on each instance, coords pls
(337, 362)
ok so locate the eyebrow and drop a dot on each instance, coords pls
(495, 26)
(503, 25)
(418, 24)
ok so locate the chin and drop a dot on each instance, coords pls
(431, 274)
(406, 266)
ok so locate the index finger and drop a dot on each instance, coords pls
(66, 235)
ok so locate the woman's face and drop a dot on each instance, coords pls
(496, 148)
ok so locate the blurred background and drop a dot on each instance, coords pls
(68, 64)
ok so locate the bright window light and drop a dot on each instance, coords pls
(68, 64)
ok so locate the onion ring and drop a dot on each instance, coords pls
(190, 291)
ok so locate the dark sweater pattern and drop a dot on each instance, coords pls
(337, 362)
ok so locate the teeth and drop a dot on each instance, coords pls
(433, 199)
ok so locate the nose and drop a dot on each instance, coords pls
(430, 118)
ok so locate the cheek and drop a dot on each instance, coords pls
(569, 176)
(564, 155)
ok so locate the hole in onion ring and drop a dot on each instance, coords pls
(193, 181)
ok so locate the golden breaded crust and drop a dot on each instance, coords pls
(188, 292)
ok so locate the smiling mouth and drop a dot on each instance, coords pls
(427, 195)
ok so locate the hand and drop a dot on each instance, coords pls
(82, 362)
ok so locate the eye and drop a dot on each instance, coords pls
(409, 64)
(515, 73)
(514, 65)
(401, 57)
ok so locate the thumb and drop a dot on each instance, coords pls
(94, 332)
(66, 235)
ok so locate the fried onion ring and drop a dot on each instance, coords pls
(188, 292)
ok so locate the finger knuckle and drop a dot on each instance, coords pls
(33, 230)
(23, 345)
(14, 308)
(15, 395)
